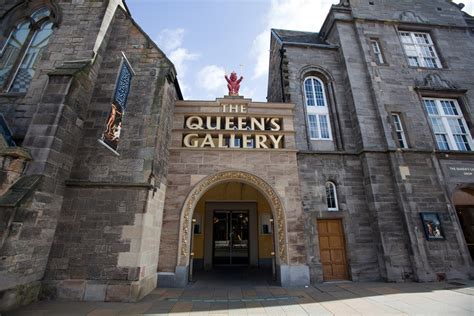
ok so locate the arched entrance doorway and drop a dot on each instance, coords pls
(232, 218)
(463, 200)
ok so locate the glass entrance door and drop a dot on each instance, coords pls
(231, 237)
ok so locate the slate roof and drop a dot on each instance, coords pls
(299, 37)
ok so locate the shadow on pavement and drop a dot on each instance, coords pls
(252, 291)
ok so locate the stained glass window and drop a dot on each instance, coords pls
(28, 65)
(11, 50)
(20, 53)
(40, 14)
(113, 127)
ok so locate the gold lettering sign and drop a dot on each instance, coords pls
(233, 131)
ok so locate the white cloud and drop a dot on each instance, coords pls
(247, 92)
(300, 15)
(180, 57)
(469, 6)
(170, 39)
(211, 78)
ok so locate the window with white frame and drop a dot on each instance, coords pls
(375, 46)
(331, 196)
(317, 109)
(448, 124)
(400, 133)
(420, 49)
(20, 53)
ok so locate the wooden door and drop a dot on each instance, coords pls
(333, 250)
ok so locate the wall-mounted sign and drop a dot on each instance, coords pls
(432, 226)
(233, 128)
(461, 171)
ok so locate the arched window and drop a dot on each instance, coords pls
(317, 109)
(331, 196)
(20, 53)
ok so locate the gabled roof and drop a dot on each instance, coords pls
(468, 18)
(298, 37)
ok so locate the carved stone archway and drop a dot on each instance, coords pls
(232, 176)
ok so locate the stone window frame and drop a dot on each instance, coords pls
(462, 116)
(382, 60)
(441, 65)
(399, 128)
(14, 18)
(318, 111)
(330, 185)
(330, 90)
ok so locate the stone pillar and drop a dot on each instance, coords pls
(387, 222)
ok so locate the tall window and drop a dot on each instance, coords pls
(400, 133)
(420, 49)
(317, 109)
(449, 127)
(20, 53)
(113, 128)
(374, 44)
(331, 196)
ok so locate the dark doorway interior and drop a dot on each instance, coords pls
(466, 219)
(231, 238)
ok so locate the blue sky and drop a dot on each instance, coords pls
(207, 38)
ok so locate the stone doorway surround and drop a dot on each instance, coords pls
(284, 272)
(271, 171)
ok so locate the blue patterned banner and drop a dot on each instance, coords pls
(123, 86)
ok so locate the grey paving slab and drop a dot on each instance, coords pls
(323, 299)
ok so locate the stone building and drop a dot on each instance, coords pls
(384, 94)
(84, 194)
(359, 167)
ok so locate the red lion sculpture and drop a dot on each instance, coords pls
(233, 84)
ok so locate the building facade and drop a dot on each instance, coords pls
(384, 97)
(359, 167)
(82, 193)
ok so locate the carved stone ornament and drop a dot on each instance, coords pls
(228, 176)
(435, 82)
(344, 3)
(409, 16)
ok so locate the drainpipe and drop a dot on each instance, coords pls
(282, 53)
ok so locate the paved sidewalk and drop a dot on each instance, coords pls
(324, 299)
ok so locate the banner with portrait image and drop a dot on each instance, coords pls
(113, 127)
